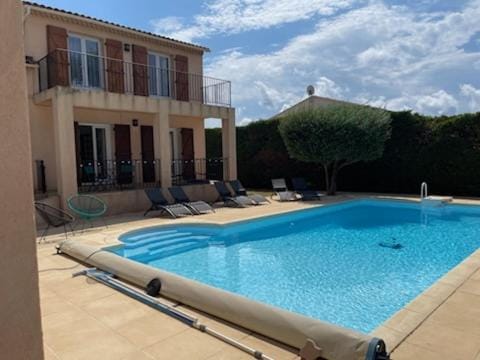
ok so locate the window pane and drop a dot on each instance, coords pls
(164, 76)
(101, 142)
(86, 153)
(93, 71)
(152, 75)
(74, 44)
(93, 63)
(91, 47)
(76, 63)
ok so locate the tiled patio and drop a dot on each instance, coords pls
(83, 319)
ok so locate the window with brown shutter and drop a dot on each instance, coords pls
(140, 80)
(181, 78)
(58, 56)
(115, 66)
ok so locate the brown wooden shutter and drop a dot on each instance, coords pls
(57, 59)
(148, 153)
(181, 78)
(188, 154)
(115, 71)
(123, 154)
(140, 80)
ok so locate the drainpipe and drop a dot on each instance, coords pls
(27, 10)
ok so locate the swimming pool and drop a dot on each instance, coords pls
(352, 264)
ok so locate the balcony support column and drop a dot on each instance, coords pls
(229, 146)
(161, 136)
(64, 136)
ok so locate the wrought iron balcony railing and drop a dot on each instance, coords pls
(111, 175)
(191, 171)
(89, 71)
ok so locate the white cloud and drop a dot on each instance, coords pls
(234, 16)
(328, 88)
(473, 95)
(376, 54)
(245, 121)
(437, 103)
(168, 24)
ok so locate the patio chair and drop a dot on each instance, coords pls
(301, 187)
(197, 207)
(88, 208)
(239, 190)
(54, 217)
(280, 189)
(159, 202)
(228, 199)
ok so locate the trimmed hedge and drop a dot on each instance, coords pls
(443, 151)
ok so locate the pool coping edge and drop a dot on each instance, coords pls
(397, 328)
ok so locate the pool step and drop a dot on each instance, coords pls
(152, 248)
(171, 252)
(168, 250)
(178, 241)
(155, 239)
(147, 235)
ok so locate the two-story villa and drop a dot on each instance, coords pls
(115, 109)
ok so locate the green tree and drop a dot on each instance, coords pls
(336, 136)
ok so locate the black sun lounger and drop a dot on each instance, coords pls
(239, 190)
(301, 187)
(160, 203)
(228, 199)
(280, 189)
(197, 207)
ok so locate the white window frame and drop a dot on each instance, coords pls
(158, 84)
(83, 52)
(108, 142)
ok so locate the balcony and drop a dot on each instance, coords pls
(91, 72)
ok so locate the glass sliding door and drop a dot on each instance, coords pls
(85, 62)
(158, 75)
(95, 152)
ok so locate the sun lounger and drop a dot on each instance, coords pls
(239, 190)
(301, 187)
(159, 202)
(228, 199)
(280, 189)
(197, 207)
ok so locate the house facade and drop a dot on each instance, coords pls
(114, 109)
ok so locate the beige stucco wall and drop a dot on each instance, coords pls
(43, 145)
(20, 328)
(198, 126)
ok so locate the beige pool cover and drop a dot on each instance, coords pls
(336, 343)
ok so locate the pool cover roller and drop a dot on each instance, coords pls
(314, 338)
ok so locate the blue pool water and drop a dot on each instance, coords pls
(325, 262)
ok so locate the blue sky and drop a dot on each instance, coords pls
(400, 54)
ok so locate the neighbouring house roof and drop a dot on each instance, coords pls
(122, 27)
(310, 102)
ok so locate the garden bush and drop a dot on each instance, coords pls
(443, 151)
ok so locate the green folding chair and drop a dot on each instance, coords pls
(88, 208)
